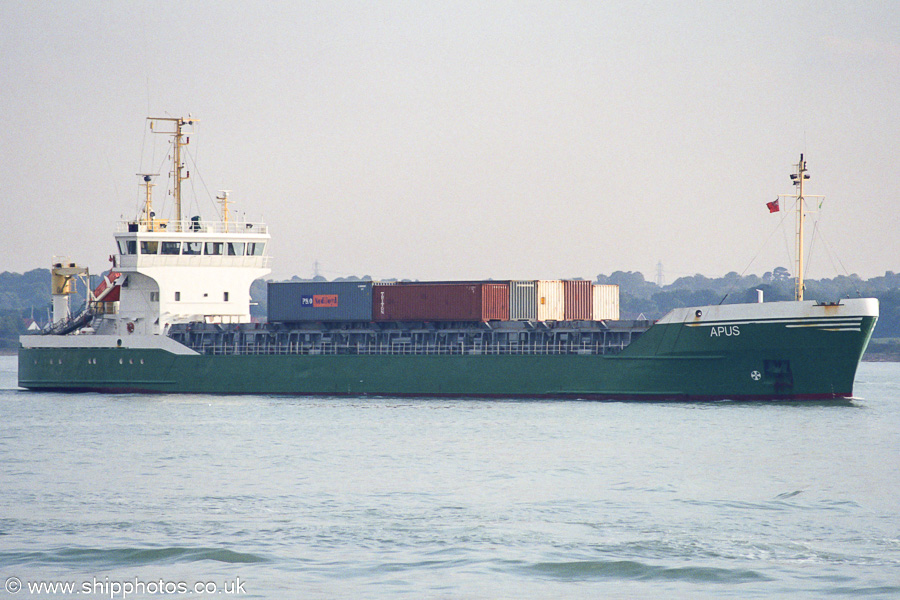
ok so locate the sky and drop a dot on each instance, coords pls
(463, 140)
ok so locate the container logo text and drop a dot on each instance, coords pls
(320, 300)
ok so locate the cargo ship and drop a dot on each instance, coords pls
(173, 316)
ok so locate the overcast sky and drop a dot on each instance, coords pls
(463, 140)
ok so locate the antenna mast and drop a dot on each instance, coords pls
(178, 166)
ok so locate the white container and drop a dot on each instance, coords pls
(551, 300)
(606, 302)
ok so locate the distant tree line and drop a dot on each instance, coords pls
(27, 294)
(638, 296)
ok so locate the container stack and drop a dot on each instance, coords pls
(579, 303)
(304, 301)
(472, 301)
(495, 301)
(551, 300)
(523, 301)
(427, 302)
(605, 302)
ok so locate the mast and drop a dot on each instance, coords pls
(177, 166)
(798, 179)
(148, 186)
(223, 198)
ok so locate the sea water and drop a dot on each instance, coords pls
(191, 496)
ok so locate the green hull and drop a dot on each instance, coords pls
(736, 358)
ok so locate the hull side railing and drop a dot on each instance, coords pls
(408, 348)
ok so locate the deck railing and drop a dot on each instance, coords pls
(406, 348)
(188, 226)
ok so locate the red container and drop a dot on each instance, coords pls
(579, 296)
(495, 301)
(427, 302)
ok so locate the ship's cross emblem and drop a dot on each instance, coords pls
(756, 375)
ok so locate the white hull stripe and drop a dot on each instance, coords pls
(797, 322)
(845, 324)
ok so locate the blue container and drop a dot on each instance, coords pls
(332, 301)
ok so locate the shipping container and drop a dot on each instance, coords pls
(427, 302)
(299, 301)
(579, 300)
(495, 301)
(522, 301)
(606, 302)
(551, 300)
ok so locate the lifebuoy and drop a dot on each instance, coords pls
(130, 327)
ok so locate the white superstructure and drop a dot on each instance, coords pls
(199, 274)
(183, 270)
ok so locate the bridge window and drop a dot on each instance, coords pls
(255, 249)
(235, 248)
(149, 247)
(191, 248)
(127, 246)
(171, 247)
(213, 249)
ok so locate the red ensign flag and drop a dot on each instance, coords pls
(773, 206)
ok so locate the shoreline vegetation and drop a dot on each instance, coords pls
(25, 298)
(883, 350)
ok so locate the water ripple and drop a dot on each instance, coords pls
(628, 569)
(116, 557)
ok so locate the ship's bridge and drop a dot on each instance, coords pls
(184, 271)
(198, 243)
